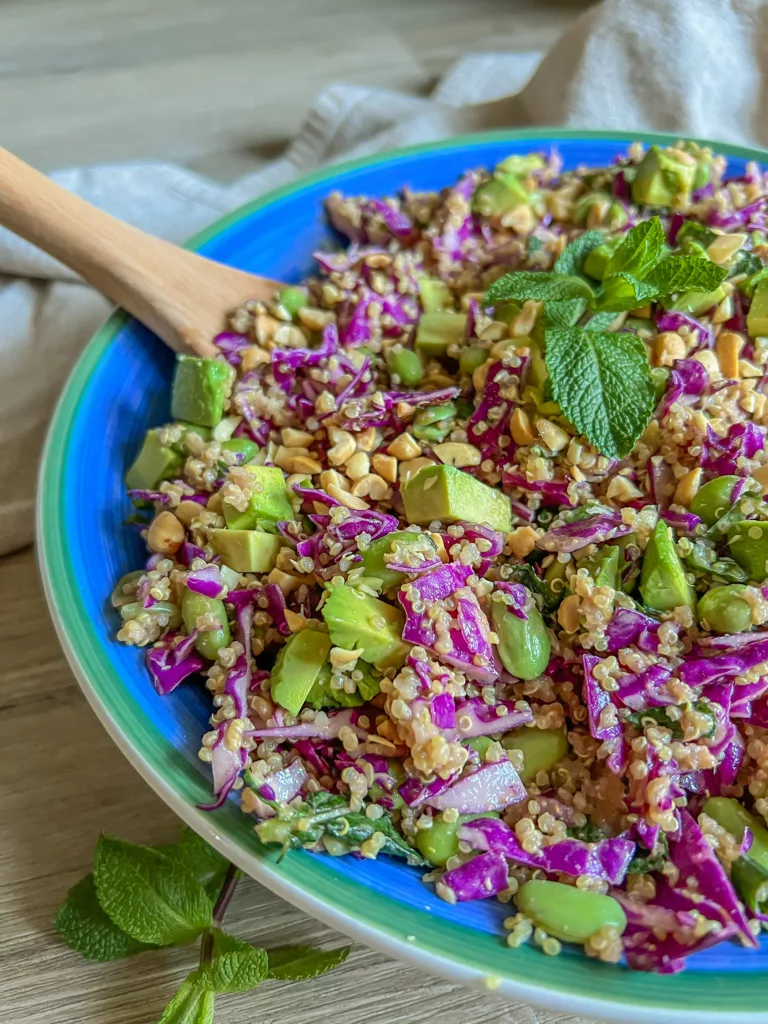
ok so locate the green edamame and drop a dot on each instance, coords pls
(524, 644)
(663, 582)
(603, 567)
(471, 358)
(241, 446)
(405, 364)
(725, 610)
(568, 913)
(125, 588)
(555, 579)
(292, 300)
(713, 499)
(748, 544)
(170, 612)
(440, 842)
(208, 642)
(434, 424)
(479, 744)
(541, 749)
(749, 872)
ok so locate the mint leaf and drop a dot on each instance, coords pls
(192, 1004)
(148, 895)
(601, 321)
(747, 264)
(624, 291)
(84, 926)
(571, 259)
(238, 971)
(300, 963)
(602, 382)
(641, 248)
(686, 273)
(587, 833)
(200, 859)
(564, 313)
(541, 285)
(223, 942)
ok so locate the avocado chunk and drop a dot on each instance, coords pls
(297, 667)
(199, 389)
(435, 295)
(155, 462)
(373, 556)
(270, 502)
(501, 194)
(522, 165)
(357, 621)
(436, 332)
(748, 543)
(247, 550)
(603, 567)
(597, 259)
(323, 695)
(662, 179)
(696, 303)
(662, 579)
(451, 495)
(757, 317)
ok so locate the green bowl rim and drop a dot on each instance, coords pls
(403, 932)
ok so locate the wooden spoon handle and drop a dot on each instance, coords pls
(179, 295)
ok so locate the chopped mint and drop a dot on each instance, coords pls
(571, 259)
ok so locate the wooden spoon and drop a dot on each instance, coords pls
(184, 298)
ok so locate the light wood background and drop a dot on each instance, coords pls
(218, 85)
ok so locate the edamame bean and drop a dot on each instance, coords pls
(440, 842)
(406, 364)
(524, 644)
(159, 608)
(479, 744)
(208, 642)
(713, 499)
(748, 543)
(292, 300)
(735, 819)
(471, 358)
(241, 447)
(568, 913)
(125, 588)
(725, 610)
(435, 413)
(541, 749)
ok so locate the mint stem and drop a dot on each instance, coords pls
(228, 887)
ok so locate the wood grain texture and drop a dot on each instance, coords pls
(217, 86)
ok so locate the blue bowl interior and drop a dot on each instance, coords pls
(129, 392)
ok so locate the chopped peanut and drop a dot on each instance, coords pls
(332, 478)
(368, 440)
(284, 580)
(522, 541)
(255, 356)
(407, 469)
(165, 534)
(721, 249)
(343, 446)
(357, 466)
(455, 453)
(404, 448)
(186, 511)
(728, 347)
(346, 499)
(295, 621)
(385, 466)
(553, 436)
(525, 320)
(761, 475)
(668, 347)
(520, 427)
(621, 489)
(293, 438)
(568, 613)
(688, 487)
(372, 486)
(708, 360)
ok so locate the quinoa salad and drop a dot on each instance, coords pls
(466, 538)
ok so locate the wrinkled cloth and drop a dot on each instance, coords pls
(688, 66)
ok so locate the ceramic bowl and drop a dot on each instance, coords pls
(118, 389)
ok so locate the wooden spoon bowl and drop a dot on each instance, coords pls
(184, 298)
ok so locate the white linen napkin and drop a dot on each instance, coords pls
(689, 66)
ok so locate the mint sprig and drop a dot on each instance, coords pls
(602, 380)
(140, 898)
(603, 385)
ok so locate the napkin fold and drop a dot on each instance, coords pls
(690, 66)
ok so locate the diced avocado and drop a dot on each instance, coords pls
(662, 580)
(501, 194)
(506, 312)
(186, 429)
(435, 295)
(757, 317)
(199, 389)
(748, 544)
(436, 332)
(597, 259)
(662, 179)
(270, 502)
(247, 550)
(639, 323)
(297, 666)
(323, 695)
(660, 379)
(373, 556)
(357, 621)
(750, 284)
(155, 462)
(696, 303)
(603, 567)
(693, 231)
(451, 495)
(522, 165)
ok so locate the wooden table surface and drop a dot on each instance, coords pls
(216, 86)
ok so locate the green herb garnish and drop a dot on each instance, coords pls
(140, 898)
